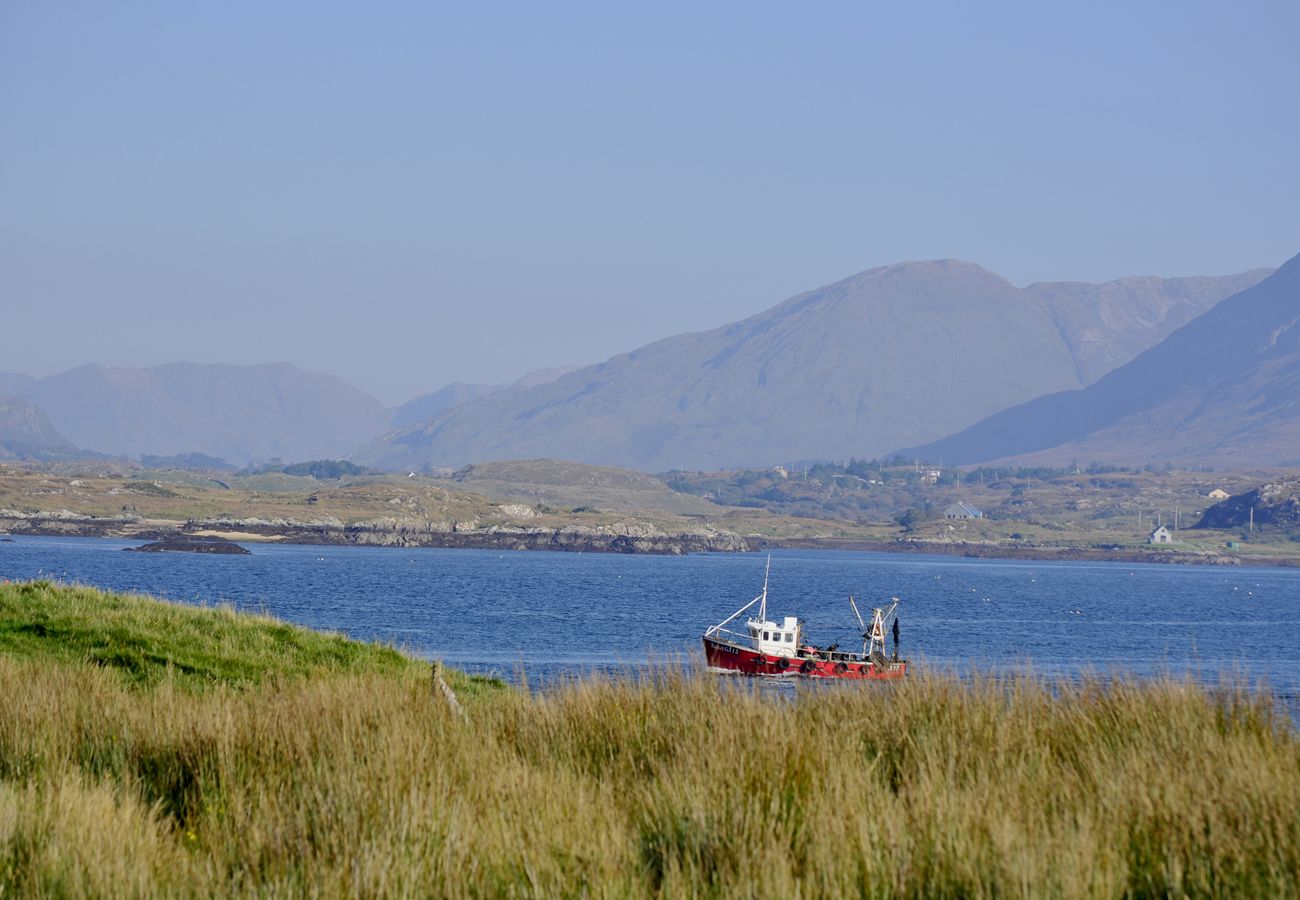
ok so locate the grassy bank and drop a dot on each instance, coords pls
(346, 774)
(147, 641)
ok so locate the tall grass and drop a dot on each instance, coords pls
(364, 782)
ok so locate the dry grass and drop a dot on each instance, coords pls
(675, 785)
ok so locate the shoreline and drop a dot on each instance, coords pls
(976, 550)
(629, 539)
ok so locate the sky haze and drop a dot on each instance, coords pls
(406, 194)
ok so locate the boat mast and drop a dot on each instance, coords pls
(762, 606)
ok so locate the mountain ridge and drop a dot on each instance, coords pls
(26, 433)
(1223, 389)
(427, 406)
(1104, 330)
(857, 367)
(238, 413)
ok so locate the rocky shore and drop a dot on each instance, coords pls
(631, 537)
(622, 537)
(978, 550)
(617, 538)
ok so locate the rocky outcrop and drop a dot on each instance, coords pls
(997, 550)
(390, 531)
(410, 532)
(185, 543)
(65, 522)
(1276, 504)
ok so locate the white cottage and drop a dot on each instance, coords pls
(1160, 536)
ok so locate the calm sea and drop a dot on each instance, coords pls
(551, 614)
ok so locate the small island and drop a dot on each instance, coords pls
(185, 543)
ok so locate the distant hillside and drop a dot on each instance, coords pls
(558, 483)
(1275, 504)
(199, 462)
(26, 433)
(427, 406)
(890, 357)
(1222, 390)
(236, 413)
(1106, 325)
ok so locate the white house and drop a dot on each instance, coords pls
(1160, 536)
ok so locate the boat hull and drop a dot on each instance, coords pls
(725, 656)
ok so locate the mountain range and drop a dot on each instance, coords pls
(1223, 390)
(909, 355)
(26, 432)
(222, 413)
(1106, 325)
(891, 357)
(237, 413)
(427, 406)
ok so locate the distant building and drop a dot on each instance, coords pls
(1160, 536)
(962, 510)
(780, 472)
(1218, 494)
(931, 476)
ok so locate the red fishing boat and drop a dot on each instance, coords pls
(782, 650)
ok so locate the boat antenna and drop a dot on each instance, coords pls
(762, 607)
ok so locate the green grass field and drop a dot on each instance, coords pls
(243, 756)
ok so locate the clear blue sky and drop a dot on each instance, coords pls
(404, 194)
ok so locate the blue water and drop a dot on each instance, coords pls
(548, 614)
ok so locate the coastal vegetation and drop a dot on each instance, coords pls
(154, 749)
(112, 499)
(1081, 511)
(1049, 512)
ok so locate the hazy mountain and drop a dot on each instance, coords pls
(542, 376)
(233, 412)
(198, 462)
(892, 356)
(426, 406)
(1106, 325)
(1222, 390)
(26, 433)
(14, 385)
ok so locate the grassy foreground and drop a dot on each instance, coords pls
(343, 773)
